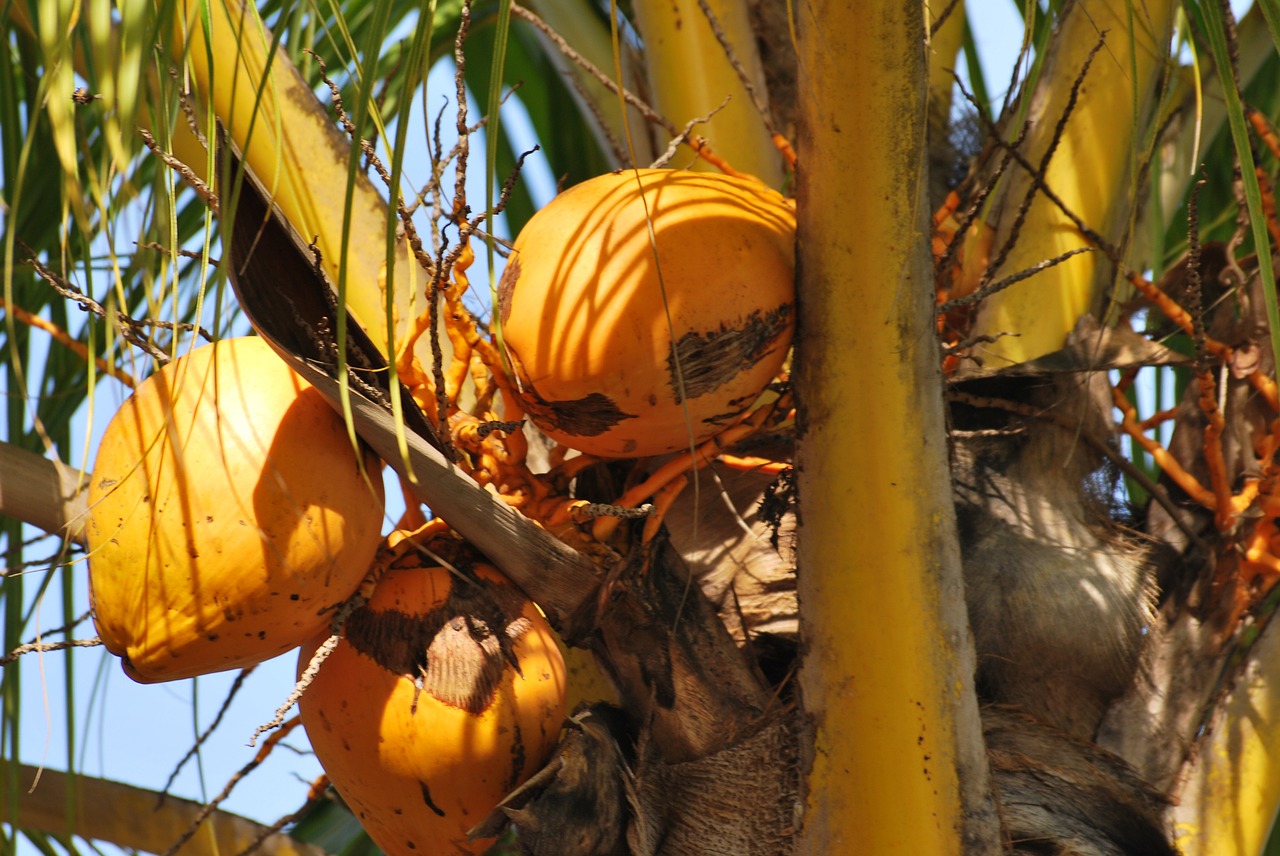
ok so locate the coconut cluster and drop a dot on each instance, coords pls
(231, 514)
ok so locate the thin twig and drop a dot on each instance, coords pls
(942, 19)
(322, 653)
(186, 254)
(440, 161)
(1233, 39)
(64, 288)
(127, 326)
(437, 170)
(596, 510)
(46, 647)
(203, 190)
(437, 269)
(1215, 422)
(504, 195)
(208, 808)
(1012, 279)
(180, 326)
(1038, 180)
(484, 429)
(1195, 284)
(963, 346)
(188, 112)
(304, 680)
(649, 114)
(68, 341)
(684, 137)
(460, 207)
(67, 628)
(314, 795)
(615, 145)
(207, 733)
(437, 351)
(980, 198)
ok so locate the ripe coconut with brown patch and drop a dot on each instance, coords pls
(443, 695)
(648, 308)
(228, 513)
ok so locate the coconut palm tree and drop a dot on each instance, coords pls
(1002, 580)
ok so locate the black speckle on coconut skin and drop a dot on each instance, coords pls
(589, 416)
(507, 287)
(428, 802)
(707, 361)
(458, 651)
(518, 760)
(586, 417)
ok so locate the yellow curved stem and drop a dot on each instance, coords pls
(690, 76)
(1229, 802)
(300, 156)
(133, 818)
(1092, 170)
(944, 47)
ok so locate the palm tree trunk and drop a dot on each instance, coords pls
(896, 752)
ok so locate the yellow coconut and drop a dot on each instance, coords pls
(228, 513)
(419, 717)
(627, 346)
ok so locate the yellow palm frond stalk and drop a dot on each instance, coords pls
(1229, 801)
(1092, 171)
(690, 76)
(944, 47)
(133, 818)
(299, 155)
(897, 758)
